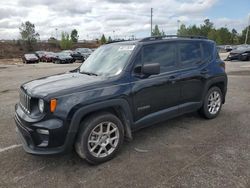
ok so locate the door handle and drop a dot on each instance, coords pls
(204, 71)
(172, 79)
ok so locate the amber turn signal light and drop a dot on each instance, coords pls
(53, 103)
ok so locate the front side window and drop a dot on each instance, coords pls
(108, 60)
(164, 54)
(190, 53)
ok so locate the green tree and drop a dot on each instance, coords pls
(213, 35)
(242, 37)
(103, 39)
(221, 35)
(206, 27)
(156, 31)
(66, 42)
(182, 30)
(191, 30)
(224, 36)
(74, 35)
(28, 34)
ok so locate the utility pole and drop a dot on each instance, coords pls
(151, 22)
(248, 25)
(56, 34)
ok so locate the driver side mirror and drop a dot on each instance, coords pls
(151, 69)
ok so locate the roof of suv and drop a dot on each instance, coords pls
(163, 38)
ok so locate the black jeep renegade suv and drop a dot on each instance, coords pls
(120, 88)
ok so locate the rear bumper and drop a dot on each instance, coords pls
(35, 142)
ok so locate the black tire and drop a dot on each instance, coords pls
(87, 126)
(204, 110)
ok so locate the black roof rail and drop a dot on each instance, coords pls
(115, 41)
(171, 36)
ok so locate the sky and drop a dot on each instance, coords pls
(117, 18)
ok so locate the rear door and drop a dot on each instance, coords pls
(194, 57)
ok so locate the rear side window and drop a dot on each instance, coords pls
(164, 54)
(207, 51)
(190, 53)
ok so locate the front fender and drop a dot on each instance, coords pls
(123, 106)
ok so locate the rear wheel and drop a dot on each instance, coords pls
(212, 103)
(100, 138)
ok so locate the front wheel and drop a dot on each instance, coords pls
(212, 103)
(100, 138)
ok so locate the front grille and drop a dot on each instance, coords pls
(25, 101)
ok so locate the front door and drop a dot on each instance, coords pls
(157, 93)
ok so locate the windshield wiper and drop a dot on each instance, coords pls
(88, 73)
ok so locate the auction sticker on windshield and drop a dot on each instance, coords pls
(126, 48)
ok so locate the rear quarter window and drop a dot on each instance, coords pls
(190, 53)
(208, 50)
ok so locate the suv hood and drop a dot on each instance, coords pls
(52, 84)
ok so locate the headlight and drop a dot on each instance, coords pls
(244, 54)
(41, 105)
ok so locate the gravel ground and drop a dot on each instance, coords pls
(184, 152)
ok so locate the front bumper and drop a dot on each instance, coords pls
(233, 57)
(56, 142)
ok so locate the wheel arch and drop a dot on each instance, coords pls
(118, 107)
(220, 82)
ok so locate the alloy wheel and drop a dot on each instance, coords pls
(214, 102)
(103, 139)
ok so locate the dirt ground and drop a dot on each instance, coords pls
(183, 152)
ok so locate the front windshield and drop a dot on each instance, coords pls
(30, 55)
(108, 60)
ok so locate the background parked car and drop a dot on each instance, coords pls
(63, 57)
(70, 52)
(77, 56)
(30, 58)
(228, 48)
(242, 53)
(48, 57)
(85, 52)
(39, 54)
(81, 53)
